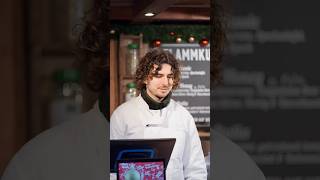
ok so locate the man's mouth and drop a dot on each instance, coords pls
(164, 89)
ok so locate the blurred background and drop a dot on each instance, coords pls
(41, 83)
(268, 102)
(41, 86)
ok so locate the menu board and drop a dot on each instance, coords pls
(194, 90)
(269, 103)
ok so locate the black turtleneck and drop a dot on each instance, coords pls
(154, 105)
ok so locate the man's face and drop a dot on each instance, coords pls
(159, 84)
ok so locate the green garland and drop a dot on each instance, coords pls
(162, 32)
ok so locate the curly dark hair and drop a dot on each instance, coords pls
(92, 54)
(92, 47)
(156, 56)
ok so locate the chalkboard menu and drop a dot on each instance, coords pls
(194, 90)
(269, 103)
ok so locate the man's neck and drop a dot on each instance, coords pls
(155, 98)
(154, 104)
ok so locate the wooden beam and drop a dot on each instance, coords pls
(171, 14)
(188, 14)
(13, 95)
(121, 13)
(114, 81)
(155, 6)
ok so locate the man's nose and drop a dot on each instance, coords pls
(165, 81)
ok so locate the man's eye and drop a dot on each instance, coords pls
(158, 75)
(170, 76)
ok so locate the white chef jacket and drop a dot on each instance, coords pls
(134, 120)
(76, 149)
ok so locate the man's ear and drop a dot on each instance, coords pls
(147, 79)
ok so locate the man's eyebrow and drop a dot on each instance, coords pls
(156, 73)
(161, 73)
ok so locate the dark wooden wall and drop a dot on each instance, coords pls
(12, 77)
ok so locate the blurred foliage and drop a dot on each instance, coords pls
(163, 31)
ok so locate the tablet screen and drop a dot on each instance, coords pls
(148, 169)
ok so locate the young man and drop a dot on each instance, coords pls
(153, 114)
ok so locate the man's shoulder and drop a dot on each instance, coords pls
(180, 112)
(58, 146)
(177, 106)
(41, 150)
(132, 104)
(47, 138)
(66, 133)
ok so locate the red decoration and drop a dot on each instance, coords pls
(172, 33)
(204, 42)
(156, 43)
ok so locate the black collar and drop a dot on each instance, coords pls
(154, 105)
